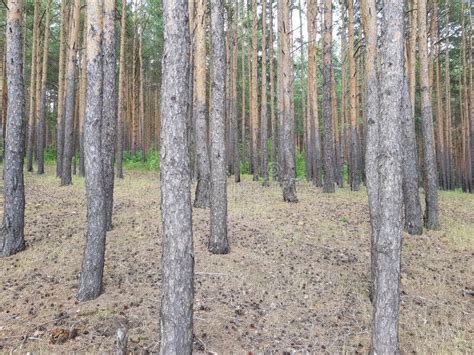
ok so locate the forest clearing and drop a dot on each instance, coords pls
(248, 176)
(295, 280)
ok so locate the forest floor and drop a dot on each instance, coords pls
(296, 278)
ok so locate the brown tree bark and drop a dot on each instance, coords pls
(12, 231)
(263, 107)
(178, 256)
(121, 92)
(235, 124)
(273, 118)
(254, 94)
(447, 105)
(82, 97)
(199, 108)
(328, 140)
(287, 123)
(73, 46)
(430, 170)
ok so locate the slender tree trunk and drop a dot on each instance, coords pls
(35, 53)
(90, 283)
(254, 93)
(122, 92)
(82, 98)
(263, 108)
(388, 219)
(61, 85)
(235, 125)
(12, 230)
(178, 256)
(69, 94)
(273, 117)
(109, 108)
(447, 115)
(327, 100)
(354, 137)
(41, 129)
(430, 169)
(287, 143)
(199, 109)
(218, 241)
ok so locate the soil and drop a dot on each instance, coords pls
(296, 278)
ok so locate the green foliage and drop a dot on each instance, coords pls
(300, 165)
(50, 154)
(136, 160)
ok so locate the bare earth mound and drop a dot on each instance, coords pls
(296, 277)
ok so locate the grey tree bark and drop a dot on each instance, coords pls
(121, 94)
(40, 130)
(177, 253)
(411, 196)
(328, 139)
(218, 241)
(263, 106)
(12, 230)
(199, 109)
(287, 127)
(90, 283)
(69, 94)
(431, 218)
(109, 108)
(388, 236)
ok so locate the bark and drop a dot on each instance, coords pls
(90, 283)
(109, 108)
(12, 230)
(254, 94)
(61, 82)
(471, 97)
(430, 170)
(273, 118)
(287, 126)
(177, 251)
(69, 94)
(121, 92)
(388, 237)
(218, 241)
(33, 72)
(82, 98)
(263, 108)
(354, 137)
(235, 125)
(41, 129)
(199, 109)
(448, 153)
(328, 140)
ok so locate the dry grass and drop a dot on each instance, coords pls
(296, 278)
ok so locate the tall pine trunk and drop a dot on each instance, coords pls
(121, 92)
(263, 108)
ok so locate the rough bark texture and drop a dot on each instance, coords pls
(218, 241)
(287, 126)
(69, 94)
(199, 108)
(41, 129)
(12, 230)
(263, 107)
(372, 105)
(82, 97)
(430, 169)
(254, 94)
(354, 136)
(328, 141)
(121, 93)
(61, 81)
(388, 237)
(235, 125)
(109, 108)
(90, 283)
(177, 235)
(411, 196)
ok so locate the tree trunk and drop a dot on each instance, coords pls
(177, 251)
(69, 94)
(82, 98)
(35, 53)
(329, 181)
(388, 235)
(273, 117)
(430, 169)
(109, 108)
(263, 108)
(287, 127)
(61, 84)
(354, 137)
(40, 132)
(235, 125)
(12, 231)
(447, 115)
(218, 241)
(122, 92)
(199, 108)
(254, 94)
(90, 283)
